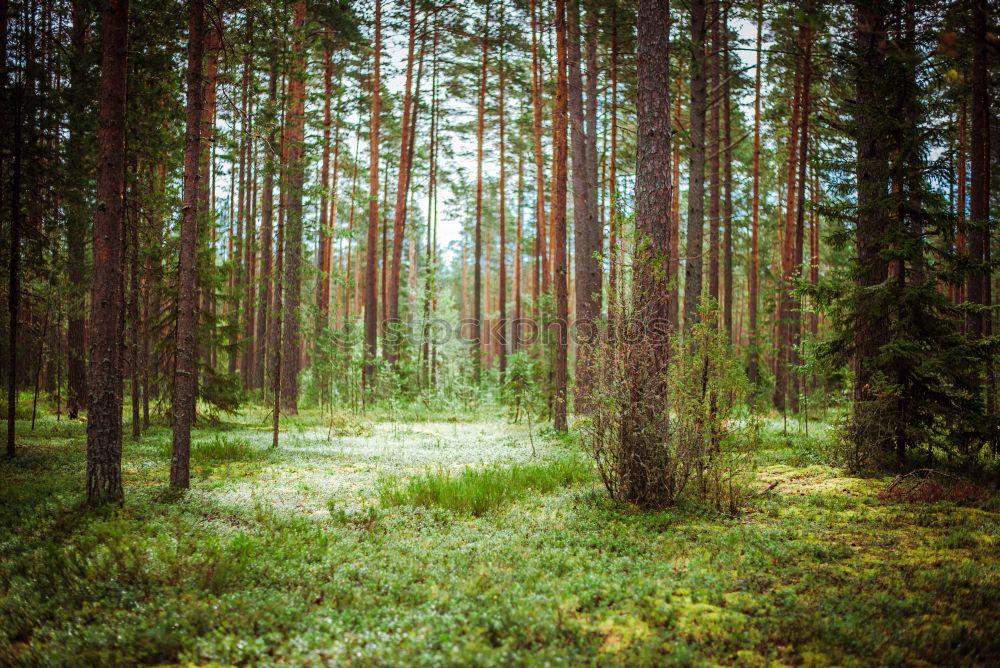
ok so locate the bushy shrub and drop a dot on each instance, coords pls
(661, 429)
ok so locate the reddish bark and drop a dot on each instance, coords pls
(402, 187)
(292, 280)
(559, 123)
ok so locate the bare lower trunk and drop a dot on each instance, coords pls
(477, 297)
(371, 314)
(696, 171)
(187, 298)
(586, 226)
(753, 370)
(559, 123)
(292, 279)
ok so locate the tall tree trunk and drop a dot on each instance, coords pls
(518, 237)
(788, 247)
(205, 202)
(753, 370)
(247, 367)
(613, 234)
(107, 296)
(652, 186)
(187, 277)
(237, 268)
(696, 171)
(960, 234)
(14, 288)
(430, 268)
(391, 344)
(814, 252)
(414, 245)
(536, 103)
(673, 268)
(76, 217)
(324, 247)
(266, 236)
(477, 297)
(871, 321)
(979, 288)
(276, 310)
(502, 288)
(135, 323)
(727, 211)
(383, 253)
(371, 314)
(292, 279)
(713, 154)
(560, 149)
(795, 325)
(332, 219)
(586, 227)
(353, 273)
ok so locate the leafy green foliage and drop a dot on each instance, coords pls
(661, 430)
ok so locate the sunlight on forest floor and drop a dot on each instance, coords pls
(288, 556)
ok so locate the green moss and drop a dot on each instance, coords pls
(289, 557)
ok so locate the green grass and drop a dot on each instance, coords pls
(475, 491)
(290, 557)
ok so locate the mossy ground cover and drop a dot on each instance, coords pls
(291, 556)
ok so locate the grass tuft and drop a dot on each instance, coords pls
(222, 450)
(477, 491)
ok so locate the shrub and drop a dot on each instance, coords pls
(659, 430)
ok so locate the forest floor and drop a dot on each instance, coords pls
(321, 552)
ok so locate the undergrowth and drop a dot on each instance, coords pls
(475, 491)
